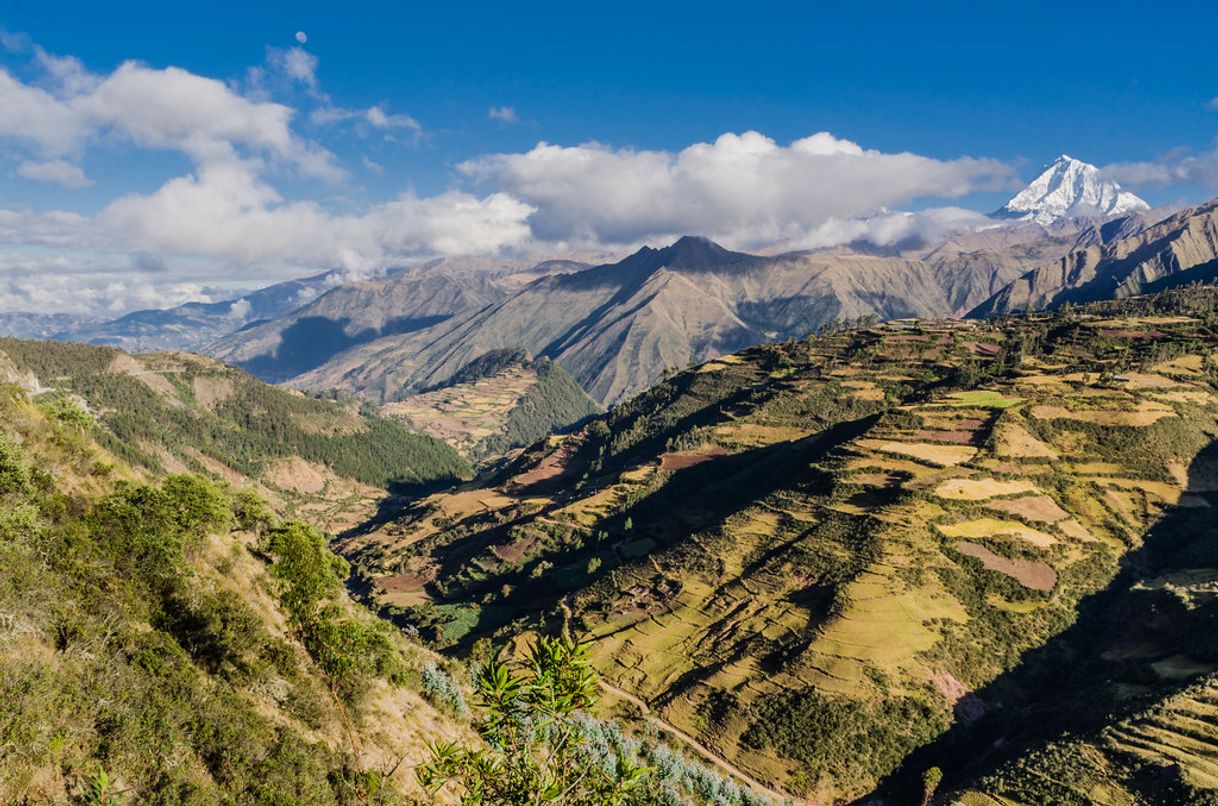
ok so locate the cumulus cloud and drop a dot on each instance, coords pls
(225, 214)
(224, 224)
(743, 188)
(1178, 167)
(59, 172)
(166, 108)
(302, 37)
(503, 114)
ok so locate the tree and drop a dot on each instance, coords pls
(930, 782)
(536, 746)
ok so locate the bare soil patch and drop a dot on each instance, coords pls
(297, 475)
(1039, 508)
(981, 489)
(1032, 574)
(679, 460)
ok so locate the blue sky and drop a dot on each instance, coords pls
(1013, 85)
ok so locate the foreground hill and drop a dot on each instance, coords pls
(617, 328)
(815, 558)
(166, 639)
(177, 413)
(1176, 251)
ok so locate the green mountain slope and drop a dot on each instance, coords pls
(500, 401)
(177, 412)
(167, 640)
(815, 557)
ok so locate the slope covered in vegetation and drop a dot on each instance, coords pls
(168, 640)
(177, 412)
(817, 557)
(498, 402)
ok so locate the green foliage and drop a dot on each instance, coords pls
(255, 425)
(348, 650)
(14, 472)
(310, 572)
(555, 403)
(67, 411)
(440, 689)
(837, 737)
(101, 791)
(147, 530)
(535, 751)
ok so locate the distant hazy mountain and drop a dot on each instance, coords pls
(26, 325)
(1179, 250)
(196, 324)
(1069, 188)
(617, 327)
(405, 301)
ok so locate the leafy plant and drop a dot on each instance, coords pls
(536, 750)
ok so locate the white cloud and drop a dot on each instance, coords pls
(295, 63)
(1212, 103)
(503, 114)
(745, 189)
(1178, 167)
(223, 213)
(896, 229)
(302, 37)
(373, 165)
(240, 309)
(166, 108)
(59, 172)
(378, 118)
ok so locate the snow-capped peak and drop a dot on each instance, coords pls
(1069, 188)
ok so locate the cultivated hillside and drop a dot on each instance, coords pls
(499, 401)
(819, 556)
(617, 328)
(169, 639)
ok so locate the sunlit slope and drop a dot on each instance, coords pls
(167, 640)
(178, 412)
(814, 555)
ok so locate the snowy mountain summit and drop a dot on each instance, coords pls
(1069, 188)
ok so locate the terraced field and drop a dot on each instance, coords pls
(834, 561)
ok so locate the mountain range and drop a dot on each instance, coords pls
(617, 327)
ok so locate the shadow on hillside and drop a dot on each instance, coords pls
(312, 341)
(696, 499)
(1099, 670)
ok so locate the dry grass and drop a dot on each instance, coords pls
(992, 527)
(1144, 413)
(981, 489)
(1015, 442)
(931, 453)
(1038, 508)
